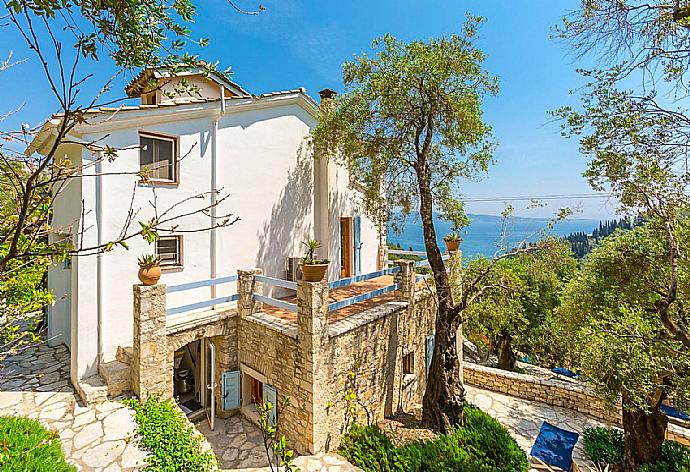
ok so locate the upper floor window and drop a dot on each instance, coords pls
(159, 155)
(169, 249)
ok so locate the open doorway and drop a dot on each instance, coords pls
(346, 245)
(193, 374)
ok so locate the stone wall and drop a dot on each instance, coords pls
(150, 373)
(572, 395)
(276, 356)
(364, 354)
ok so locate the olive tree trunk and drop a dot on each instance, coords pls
(644, 435)
(504, 350)
(444, 397)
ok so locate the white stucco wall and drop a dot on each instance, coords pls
(64, 221)
(345, 201)
(263, 165)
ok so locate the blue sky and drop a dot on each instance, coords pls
(304, 42)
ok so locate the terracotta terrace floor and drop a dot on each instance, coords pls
(342, 293)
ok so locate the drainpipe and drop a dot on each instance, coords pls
(214, 188)
(100, 256)
(214, 185)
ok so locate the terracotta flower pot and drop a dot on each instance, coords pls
(452, 246)
(314, 272)
(149, 275)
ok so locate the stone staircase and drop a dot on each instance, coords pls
(113, 379)
(92, 390)
(117, 374)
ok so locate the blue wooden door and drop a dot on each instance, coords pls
(271, 396)
(231, 390)
(357, 224)
(430, 341)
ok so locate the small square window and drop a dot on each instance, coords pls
(169, 249)
(158, 154)
(408, 364)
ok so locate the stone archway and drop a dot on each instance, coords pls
(223, 333)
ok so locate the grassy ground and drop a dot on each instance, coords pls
(26, 445)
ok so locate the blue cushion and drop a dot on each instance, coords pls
(555, 446)
(675, 412)
(566, 372)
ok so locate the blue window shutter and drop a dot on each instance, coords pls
(357, 223)
(430, 341)
(231, 390)
(271, 396)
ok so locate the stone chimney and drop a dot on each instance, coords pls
(327, 93)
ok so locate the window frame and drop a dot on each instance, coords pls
(176, 158)
(408, 364)
(180, 252)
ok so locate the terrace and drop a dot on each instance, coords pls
(346, 297)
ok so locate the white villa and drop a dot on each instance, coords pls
(251, 148)
(230, 325)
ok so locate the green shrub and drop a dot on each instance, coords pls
(606, 445)
(481, 445)
(603, 445)
(172, 441)
(26, 445)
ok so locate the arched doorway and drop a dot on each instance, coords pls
(194, 379)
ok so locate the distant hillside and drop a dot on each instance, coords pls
(582, 243)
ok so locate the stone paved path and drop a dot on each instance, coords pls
(97, 438)
(237, 444)
(523, 418)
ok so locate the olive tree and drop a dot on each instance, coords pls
(525, 289)
(618, 338)
(635, 139)
(410, 127)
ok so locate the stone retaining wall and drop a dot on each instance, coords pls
(276, 356)
(366, 357)
(575, 396)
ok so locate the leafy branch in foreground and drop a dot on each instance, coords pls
(275, 444)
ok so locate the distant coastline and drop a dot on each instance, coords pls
(483, 235)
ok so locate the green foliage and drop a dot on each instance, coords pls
(135, 34)
(608, 314)
(149, 260)
(172, 441)
(605, 446)
(275, 444)
(406, 102)
(310, 259)
(582, 243)
(24, 295)
(521, 294)
(26, 445)
(480, 445)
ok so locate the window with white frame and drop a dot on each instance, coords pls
(169, 249)
(158, 154)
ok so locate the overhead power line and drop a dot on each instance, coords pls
(572, 196)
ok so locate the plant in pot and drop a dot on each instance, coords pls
(313, 269)
(452, 241)
(149, 269)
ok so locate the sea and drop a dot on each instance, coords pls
(484, 234)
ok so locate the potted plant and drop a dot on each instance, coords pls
(313, 269)
(452, 241)
(149, 269)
